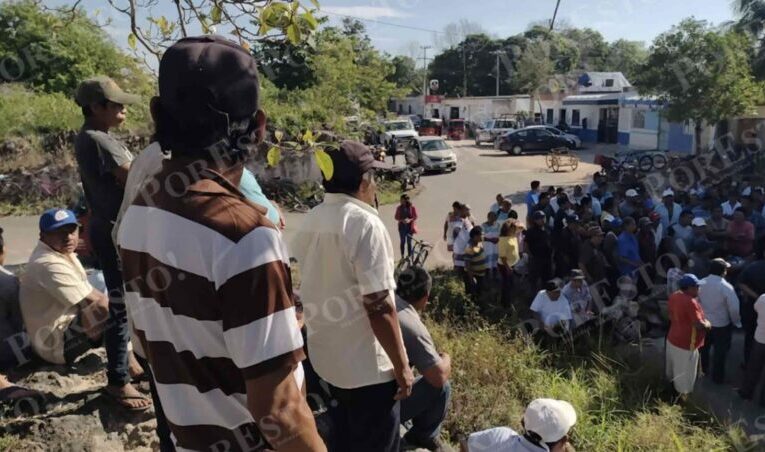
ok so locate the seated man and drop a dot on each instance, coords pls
(578, 294)
(11, 327)
(552, 309)
(63, 314)
(546, 424)
(427, 405)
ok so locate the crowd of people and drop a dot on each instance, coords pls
(610, 252)
(197, 271)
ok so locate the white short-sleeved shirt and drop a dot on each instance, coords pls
(552, 312)
(344, 252)
(501, 439)
(51, 287)
(759, 332)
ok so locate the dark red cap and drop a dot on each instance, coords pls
(205, 82)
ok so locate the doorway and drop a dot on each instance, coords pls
(608, 125)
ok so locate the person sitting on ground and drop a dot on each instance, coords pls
(687, 329)
(546, 424)
(579, 296)
(506, 211)
(427, 405)
(64, 315)
(11, 329)
(476, 264)
(740, 235)
(552, 309)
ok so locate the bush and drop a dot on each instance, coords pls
(24, 112)
(496, 373)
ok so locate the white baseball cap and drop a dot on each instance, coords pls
(631, 193)
(747, 191)
(667, 192)
(699, 221)
(549, 418)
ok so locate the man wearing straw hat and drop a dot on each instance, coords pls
(688, 327)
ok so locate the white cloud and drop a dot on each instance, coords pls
(365, 12)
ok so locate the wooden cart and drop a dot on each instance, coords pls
(558, 158)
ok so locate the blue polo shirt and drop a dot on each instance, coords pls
(628, 247)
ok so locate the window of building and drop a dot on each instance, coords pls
(638, 119)
(609, 83)
(550, 114)
(574, 117)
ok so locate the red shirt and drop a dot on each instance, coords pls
(684, 312)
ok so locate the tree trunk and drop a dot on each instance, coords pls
(697, 136)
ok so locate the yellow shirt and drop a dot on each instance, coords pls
(51, 287)
(508, 250)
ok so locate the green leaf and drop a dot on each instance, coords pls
(312, 22)
(316, 4)
(293, 34)
(216, 14)
(273, 156)
(308, 136)
(325, 164)
(278, 135)
(132, 41)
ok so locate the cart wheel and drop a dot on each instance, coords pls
(574, 165)
(548, 160)
(555, 165)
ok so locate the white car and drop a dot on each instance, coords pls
(432, 153)
(398, 128)
(493, 129)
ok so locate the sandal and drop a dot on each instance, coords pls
(123, 401)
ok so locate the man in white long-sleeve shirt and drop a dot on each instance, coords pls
(721, 308)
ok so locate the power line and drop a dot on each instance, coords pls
(384, 23)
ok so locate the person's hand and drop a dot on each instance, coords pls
(405, 380)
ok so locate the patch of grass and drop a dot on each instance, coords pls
(620, 403)
(389, 192)
(24, 112)
(9, 442)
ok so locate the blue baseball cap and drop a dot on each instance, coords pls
(689, 280)
(55, 218)
(616, 223)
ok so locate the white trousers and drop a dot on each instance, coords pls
(681, 367)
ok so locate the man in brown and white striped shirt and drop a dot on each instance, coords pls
(208, 283)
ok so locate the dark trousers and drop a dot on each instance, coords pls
(507, 285)
(163, 430)
(405, 237)
(754, 374)
(116, 333)
(426, 408)
(749, 323)
(540, 271)
(367, 418)
(716, 344)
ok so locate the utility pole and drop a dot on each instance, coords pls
(497, 54)
(555, 14)
(464, 70)
(424, 77)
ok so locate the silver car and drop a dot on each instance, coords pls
(432, 153)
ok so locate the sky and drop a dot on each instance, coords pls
(640, 20)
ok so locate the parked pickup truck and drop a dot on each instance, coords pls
(492, 129)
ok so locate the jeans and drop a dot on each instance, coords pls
(754, 375)
(540, 271)
(426, 408)
(718, 339)
(116, 333)
(405, 237)
(163, 430)
(367, 418)
(749, 323)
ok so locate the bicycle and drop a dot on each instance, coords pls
(418, 256)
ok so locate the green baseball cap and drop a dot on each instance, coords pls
(101, 88)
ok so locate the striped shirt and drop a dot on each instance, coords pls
(475, 259)
(209, 294)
